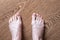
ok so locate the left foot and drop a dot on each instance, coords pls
(15, 24)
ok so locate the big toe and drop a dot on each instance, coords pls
(18, 18)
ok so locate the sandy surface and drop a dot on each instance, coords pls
(48, 9)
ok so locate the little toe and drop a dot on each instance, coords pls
(41, 19)
(11, 19)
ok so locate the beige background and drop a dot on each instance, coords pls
(48, 9)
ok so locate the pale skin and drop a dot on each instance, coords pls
(15, 24)
(37, 27)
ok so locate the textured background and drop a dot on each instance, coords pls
(48, 9)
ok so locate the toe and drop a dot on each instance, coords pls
(33, 17)
(10, 20)
(17, 14)
(19, 19)
(13, 18)
(41, 19)
(37, 17)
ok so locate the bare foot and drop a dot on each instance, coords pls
(37, 27)
(15, 24)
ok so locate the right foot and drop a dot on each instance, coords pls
(37, 27)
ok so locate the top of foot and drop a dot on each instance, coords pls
(37, 20)
(15, 23)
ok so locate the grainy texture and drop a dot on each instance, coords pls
(48, 9)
